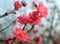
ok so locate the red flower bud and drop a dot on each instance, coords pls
(24, 4)
(17, 5)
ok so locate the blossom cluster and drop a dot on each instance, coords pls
(35, 16)
(21, 35)
(32, 18)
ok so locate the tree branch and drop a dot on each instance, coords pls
(7, 13)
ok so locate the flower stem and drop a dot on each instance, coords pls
(20, 42)
(31, 28)
(24, 26)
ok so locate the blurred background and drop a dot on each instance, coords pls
(47, 31)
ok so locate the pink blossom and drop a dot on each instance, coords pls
(21, 35)
(42, 9)
(23, 19)
(34, 18)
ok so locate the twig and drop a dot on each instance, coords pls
(31, 28)
(7, 26)
(24, 26)
(7, 13)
